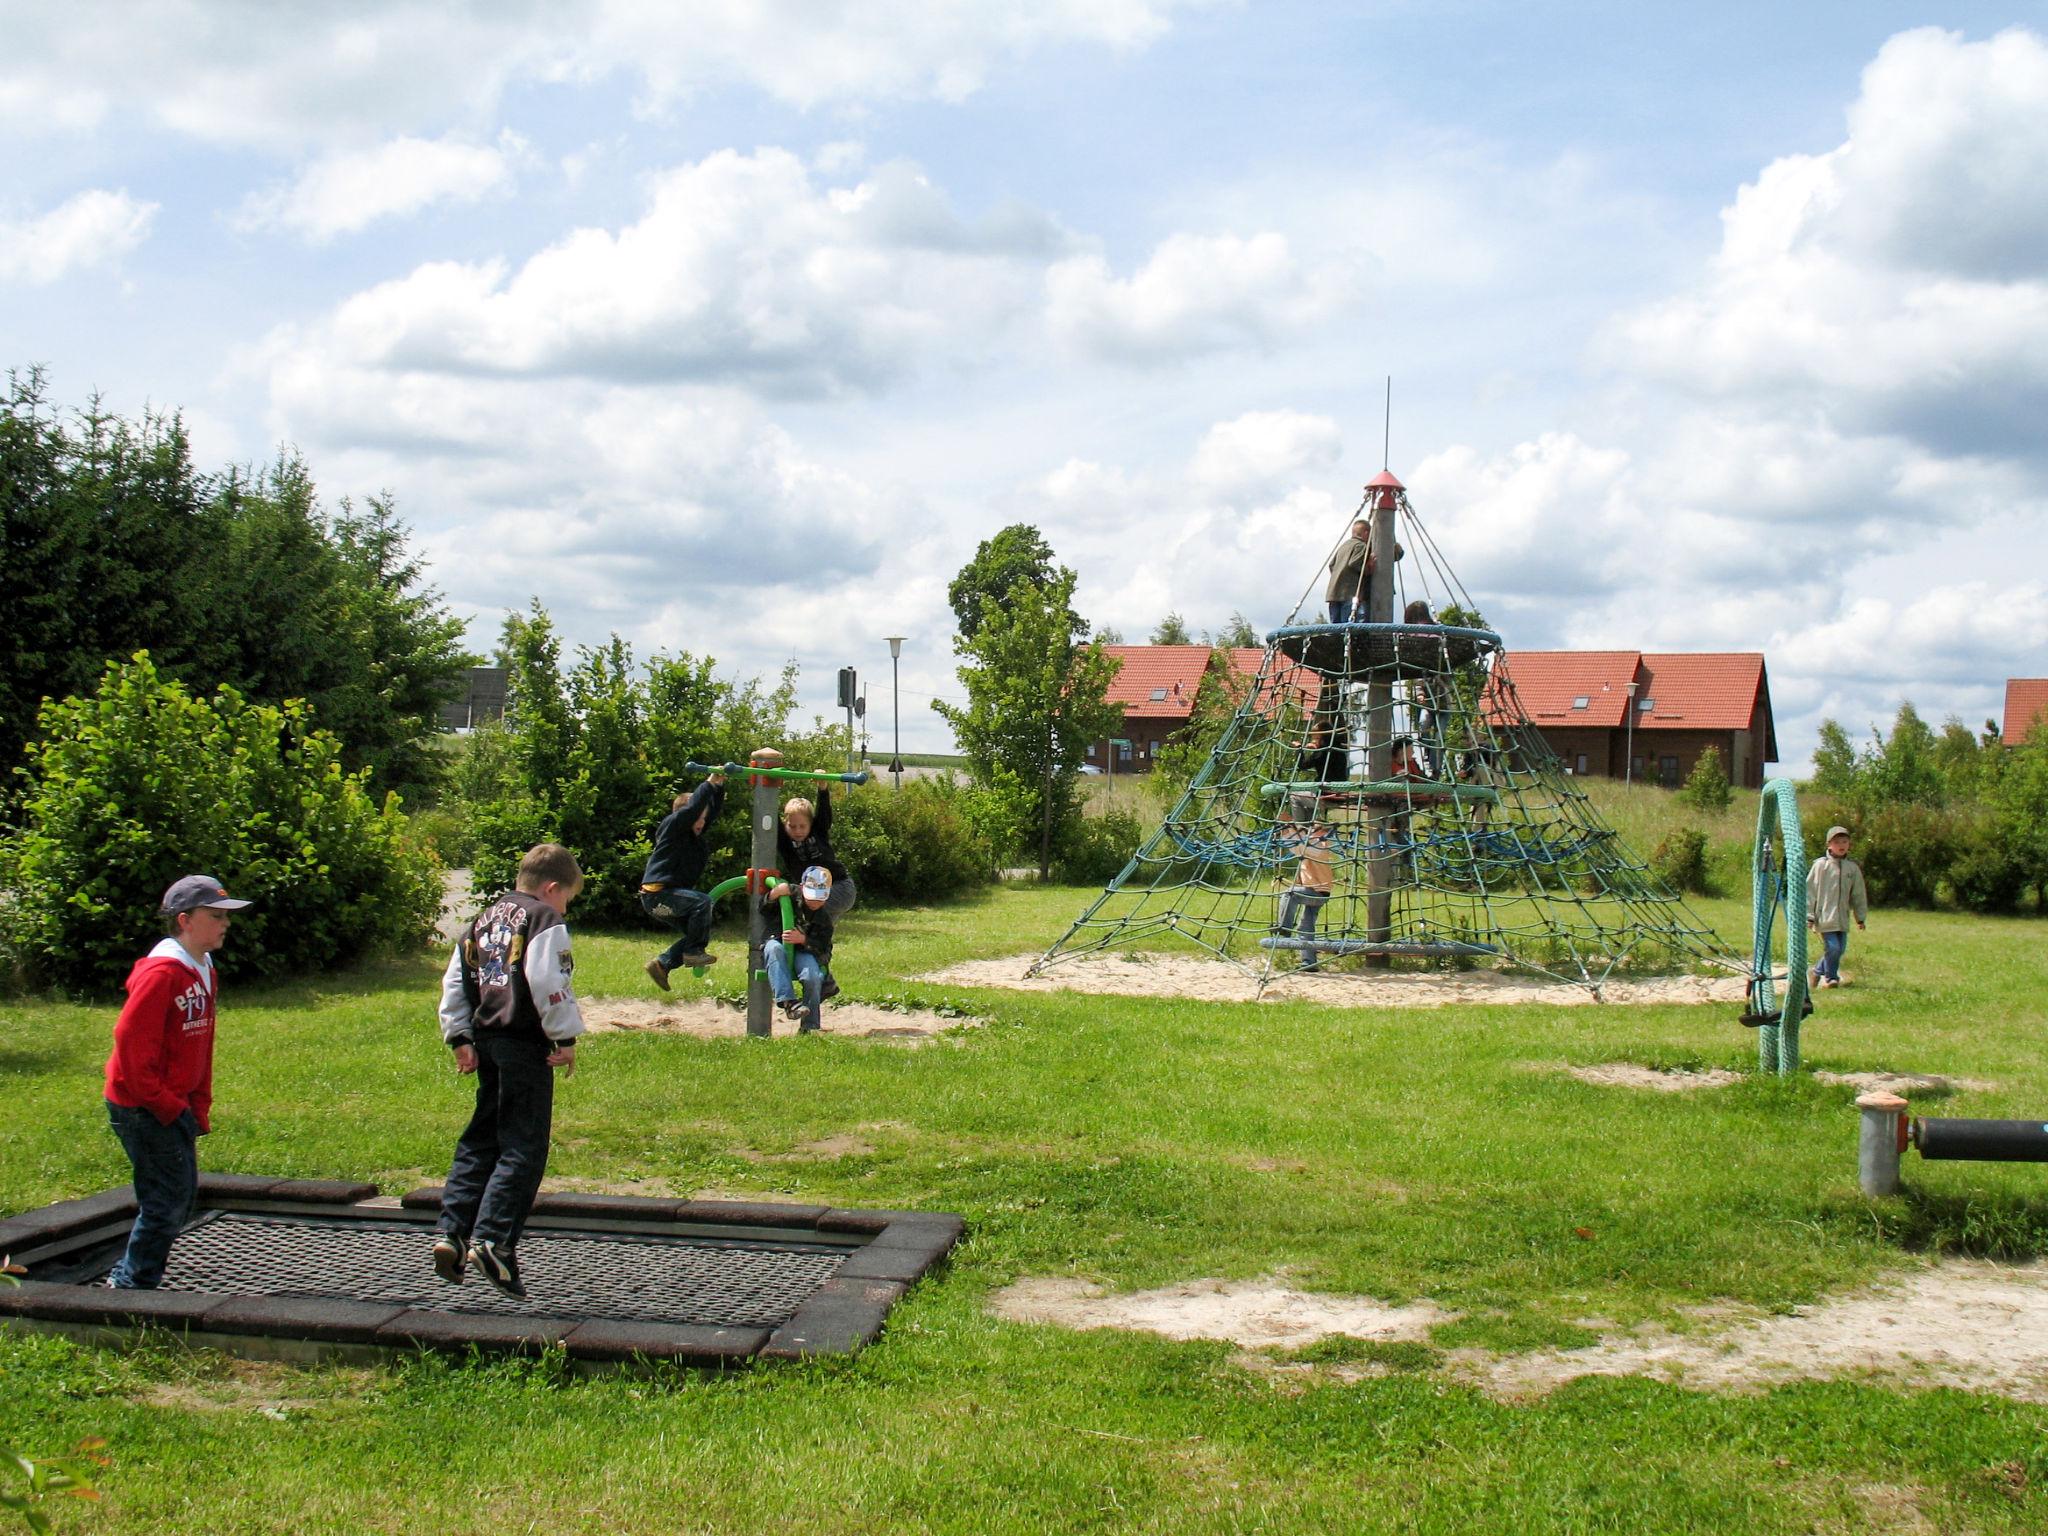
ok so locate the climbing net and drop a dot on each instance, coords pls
(1379, 798)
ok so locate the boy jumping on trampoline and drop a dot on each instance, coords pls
(805, 839)
(159, 1080)
(805, 948)
(1834, 894)
(510, 1015)
(675, 865)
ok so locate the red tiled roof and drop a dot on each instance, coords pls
(1245, 661)
(2026, 701)
(1684, 691)
(1173, 672)
(1549, 683)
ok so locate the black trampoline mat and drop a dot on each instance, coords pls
(624, 1277)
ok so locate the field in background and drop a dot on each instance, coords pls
(1131, 1143)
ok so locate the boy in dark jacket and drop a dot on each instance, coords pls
(510, 1015)
(807, 947)
(675, 867)
(804, 839)
(159, 1080)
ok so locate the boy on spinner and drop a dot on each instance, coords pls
(675, 867)
(806, 948)
(805, 839)
(160, 1076)
(510, 1015)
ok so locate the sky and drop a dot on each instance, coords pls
(734, 327)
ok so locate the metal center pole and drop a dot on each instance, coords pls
(1379, 714)
(760, 996)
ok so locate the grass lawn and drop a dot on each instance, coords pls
(1131, 1142)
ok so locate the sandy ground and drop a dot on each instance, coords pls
(708, 1018)
(1906, 1084)
(1628, 1074)
(1978, 1326)
(1259, 1314)
(1158, 975)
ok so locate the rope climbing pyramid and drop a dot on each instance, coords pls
(1379, 798)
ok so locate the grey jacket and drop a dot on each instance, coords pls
(1835, 893)
(1347, 570)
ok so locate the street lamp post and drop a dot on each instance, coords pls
(896, 704)
(1628, 771)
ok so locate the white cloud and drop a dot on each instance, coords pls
(91, 229)
(741, 270)
(252, 73)
(1900, 281)
(350, 190)
(1265, 452)
(1197, 293)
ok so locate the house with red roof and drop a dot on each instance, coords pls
(2026, 705)
(1644, 717)
(1156, 684)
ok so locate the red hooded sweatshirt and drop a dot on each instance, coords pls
(163, 1041)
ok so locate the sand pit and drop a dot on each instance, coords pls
(710, 1018)
(1205, 980)
(1629, 1074)
(1969, 1324)
(1906, 1084)
(1259, 1314)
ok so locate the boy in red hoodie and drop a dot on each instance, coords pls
(160, 1076)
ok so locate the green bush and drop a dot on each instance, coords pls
(142, 782)
(1988, 872)
(1094, 849)
(1680, 861)
(914, 844)
(1706, 788)
(1905, 851)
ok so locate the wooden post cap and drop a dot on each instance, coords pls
(1881, 1098)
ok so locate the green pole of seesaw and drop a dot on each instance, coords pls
(780, 774)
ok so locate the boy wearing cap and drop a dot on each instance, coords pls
(511, 1017)
(159, 1084)
(1834, 894)
(810, 942)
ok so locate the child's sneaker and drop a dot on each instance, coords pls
(658, 973)
(829, 990)
(696, 958)
(448, 1259)
(791, 1008)
(498, 1266)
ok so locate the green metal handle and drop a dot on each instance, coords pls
(1419, 789)
(807, 775)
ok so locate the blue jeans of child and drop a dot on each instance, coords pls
(504, 1149)
(689, 912)
(166, 1163)
(1299, 908)
(776, 956)
(1340, 610)
(1831, 947)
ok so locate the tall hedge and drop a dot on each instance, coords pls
(142, 782)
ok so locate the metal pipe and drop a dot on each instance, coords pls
(763, 772)
(808, 775)
(1879, 1142)
(1982, 1141)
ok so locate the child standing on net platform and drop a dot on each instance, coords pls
(675, 866)
(159, 1080)
(804, 840)
(510, 1015)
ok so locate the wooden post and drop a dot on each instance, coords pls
(761, 860)
(1384, 491)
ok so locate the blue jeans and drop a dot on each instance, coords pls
(504, 1149)
(1831, 947)
(1340, 610)
(1303, 902)
(775, 955)
(689, 912)
(166, 1163)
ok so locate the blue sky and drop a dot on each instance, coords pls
(734, 327)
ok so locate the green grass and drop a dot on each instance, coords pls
(1132, 1142)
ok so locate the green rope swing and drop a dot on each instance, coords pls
(1780, 886)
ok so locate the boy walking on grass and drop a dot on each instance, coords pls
(1834, 895)
(160, 1076)
(510, 1015)
(675, 868)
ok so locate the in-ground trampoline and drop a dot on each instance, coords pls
(305, 1269)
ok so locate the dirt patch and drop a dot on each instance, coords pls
(1629, 1074)
(824, 1149)
(1970, 1324)
(1906, 1084)
(246, 1386)
(1154, 975)
(1259, 1314)
(711, 1018)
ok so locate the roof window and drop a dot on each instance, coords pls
(1644, 706)
(1158, 694)
(1583, 701)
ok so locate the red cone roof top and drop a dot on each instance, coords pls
(1385, 478)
